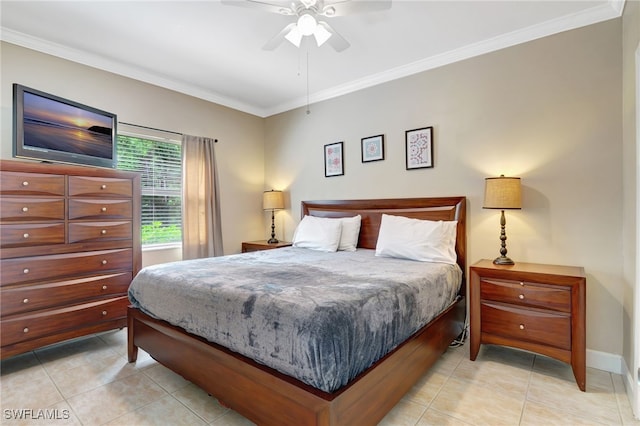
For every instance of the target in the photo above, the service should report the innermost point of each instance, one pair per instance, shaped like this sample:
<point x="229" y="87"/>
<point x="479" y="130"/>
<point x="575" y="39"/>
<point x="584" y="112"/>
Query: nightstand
<point x="248" y="246"/>
<point x="536" y="307"/>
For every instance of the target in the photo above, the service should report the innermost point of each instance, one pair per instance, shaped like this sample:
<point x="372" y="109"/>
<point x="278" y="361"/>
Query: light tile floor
<point x="89" y="382"/>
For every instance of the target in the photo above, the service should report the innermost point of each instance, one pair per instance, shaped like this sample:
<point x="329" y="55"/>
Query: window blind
<point x="160" y="166"/>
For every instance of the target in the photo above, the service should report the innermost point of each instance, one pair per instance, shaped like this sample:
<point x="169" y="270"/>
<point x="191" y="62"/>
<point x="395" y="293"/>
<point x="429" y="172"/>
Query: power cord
<point x="459" y="341"/>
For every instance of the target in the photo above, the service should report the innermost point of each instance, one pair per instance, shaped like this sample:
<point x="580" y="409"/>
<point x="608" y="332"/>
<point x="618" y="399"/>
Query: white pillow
<point x="318" y="233"/>
<point x="350" y="233"/>
<point x="415" y="239"/>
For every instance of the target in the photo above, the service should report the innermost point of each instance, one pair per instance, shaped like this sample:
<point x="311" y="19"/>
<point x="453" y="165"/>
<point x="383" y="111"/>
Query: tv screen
<point x="50" y="128"/>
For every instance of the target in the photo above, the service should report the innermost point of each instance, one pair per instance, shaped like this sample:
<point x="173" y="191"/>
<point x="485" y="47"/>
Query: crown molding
<point x="123" y="69"/>
<point x="611" y="10"/>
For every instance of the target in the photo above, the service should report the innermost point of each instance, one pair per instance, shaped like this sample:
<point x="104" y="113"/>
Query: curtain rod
<point x="150" y="128"/>
<point x="156" y="129"/>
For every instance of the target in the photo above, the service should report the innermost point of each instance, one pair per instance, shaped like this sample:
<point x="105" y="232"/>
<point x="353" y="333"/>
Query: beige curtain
<point x="201" y="227"/>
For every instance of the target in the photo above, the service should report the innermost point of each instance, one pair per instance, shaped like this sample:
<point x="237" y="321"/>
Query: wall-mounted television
<point x="49" y="128"/>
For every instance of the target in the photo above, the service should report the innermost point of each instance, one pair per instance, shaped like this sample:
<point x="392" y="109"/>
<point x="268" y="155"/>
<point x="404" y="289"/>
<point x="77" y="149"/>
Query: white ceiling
<point x="214" y="51"/>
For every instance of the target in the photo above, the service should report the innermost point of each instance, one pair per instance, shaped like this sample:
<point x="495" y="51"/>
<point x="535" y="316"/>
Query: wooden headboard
<point x="441" y="208"/>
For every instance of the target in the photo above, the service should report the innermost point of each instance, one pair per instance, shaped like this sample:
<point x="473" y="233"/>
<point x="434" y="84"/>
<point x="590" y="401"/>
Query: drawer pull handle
<point x="25" y="209"/>
<point x="25" y="301"/>
<point x="25" y="330"/>
<point x="103" y="186"/>
<point x="103" y="232"/>
<point x="104" y="287"/>
<point x="104" y="262"/>
<point x="25" y="235"/>
<point x="25" y="271"/>
<point x="522" y="283"/>
<point x="25" y="183"/>
<point x="104" y="313"/>
<point x="521" y="326"/>
<point x="104" y="209"/>
<point x="521" y="296"/>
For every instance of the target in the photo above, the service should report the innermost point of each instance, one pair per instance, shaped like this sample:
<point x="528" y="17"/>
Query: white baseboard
<point x="605" y="361"/>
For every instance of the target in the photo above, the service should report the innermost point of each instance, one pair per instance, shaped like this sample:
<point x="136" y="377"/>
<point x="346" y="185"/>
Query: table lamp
<point x="502" y="193"/>
<point x="272" y="200"/>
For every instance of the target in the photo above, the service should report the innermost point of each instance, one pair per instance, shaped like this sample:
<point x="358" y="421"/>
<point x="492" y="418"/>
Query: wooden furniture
<point x="539" y="308"/>
<point x="70" y="239"/>
<point x="248" y="246"/>
<point x="268" y="397"/>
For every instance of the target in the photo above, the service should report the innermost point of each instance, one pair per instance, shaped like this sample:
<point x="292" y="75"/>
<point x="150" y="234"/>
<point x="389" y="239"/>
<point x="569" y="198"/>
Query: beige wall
<point x="239" y="153"/>
<point x="631" y="298"/>
<point x="548" y="111"/>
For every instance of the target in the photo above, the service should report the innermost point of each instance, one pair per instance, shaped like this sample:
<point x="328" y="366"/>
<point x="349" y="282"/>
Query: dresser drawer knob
<point x="104" y="287"/>
<point x="25" y="271"/>
<point x="522" y="283"/>
<point x="521" y="296"/>
<point x="25" y="235"/>
<point x="104" y="209"/>
<point x="25" y="209"/>
<point x="25" y="330"/>
<point x="25" y="301"/>
<point x="25" y="183"/>
<point x="103" y="232"/>
<point x="104" y="262"/>
<point x="104" y="313"/>
<point x="103" y="186"/>
<point x="521" y="326"/>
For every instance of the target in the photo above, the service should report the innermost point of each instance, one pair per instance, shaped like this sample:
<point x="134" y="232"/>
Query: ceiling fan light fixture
<point x="294" y="36"/>
<point x="307" y="24"/>
<point x="321" y="35"/>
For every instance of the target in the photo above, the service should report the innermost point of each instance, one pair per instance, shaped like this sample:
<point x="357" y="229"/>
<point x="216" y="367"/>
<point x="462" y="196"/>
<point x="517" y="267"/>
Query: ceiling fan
<point x="309" y="13"/>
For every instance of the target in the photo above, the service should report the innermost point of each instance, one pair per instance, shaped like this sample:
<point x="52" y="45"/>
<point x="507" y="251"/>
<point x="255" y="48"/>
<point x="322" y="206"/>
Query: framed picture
<point x="373" y="148"/>
<point x="333" y="160"/>
<point x="419" y="146"/>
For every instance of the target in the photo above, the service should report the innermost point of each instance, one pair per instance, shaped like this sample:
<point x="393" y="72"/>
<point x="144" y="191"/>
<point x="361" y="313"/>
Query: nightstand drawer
<point x="533" y="325"/>
<point x="526" y="293"/>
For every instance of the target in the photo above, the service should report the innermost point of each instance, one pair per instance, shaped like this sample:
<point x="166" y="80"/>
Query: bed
<point x="267" y="395"/>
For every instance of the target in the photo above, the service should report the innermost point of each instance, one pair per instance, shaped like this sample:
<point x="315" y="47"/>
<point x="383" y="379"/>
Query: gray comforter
<point x="322" y="318"/>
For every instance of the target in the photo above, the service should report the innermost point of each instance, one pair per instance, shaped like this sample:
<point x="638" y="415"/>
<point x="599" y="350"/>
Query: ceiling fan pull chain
<point x="308" y="110"/>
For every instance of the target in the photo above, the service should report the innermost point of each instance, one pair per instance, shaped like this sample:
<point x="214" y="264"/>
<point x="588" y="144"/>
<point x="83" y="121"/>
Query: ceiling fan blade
<point x="273" y="7"/>
<point x="279" y="38"/>
<point x="336" y="40"/>
<point x="348" y="7"/>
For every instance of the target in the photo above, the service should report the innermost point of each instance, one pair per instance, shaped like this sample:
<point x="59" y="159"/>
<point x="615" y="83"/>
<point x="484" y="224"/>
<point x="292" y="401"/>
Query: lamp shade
<point x="272" y="200"/>
<point x="502" y="193"/>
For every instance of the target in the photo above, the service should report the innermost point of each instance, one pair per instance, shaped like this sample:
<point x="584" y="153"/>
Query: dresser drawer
<point x="21" y="235"/>
<point x="37" y="324"/>
<point x="24" y="209"/>
<point x="17" y="183"/>
<point x="24" y="298"/>
<point x="100" y="209"/>
<point x="532" y="325"/>
<point x="525" y="293"/>
<point x="99" y="231"/>
<point x="99" y="187"/>
<point x="37" y="268"/>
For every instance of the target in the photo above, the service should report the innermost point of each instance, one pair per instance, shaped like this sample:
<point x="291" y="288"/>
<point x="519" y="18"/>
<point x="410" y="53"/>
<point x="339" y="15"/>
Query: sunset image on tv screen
<point x="53" y="125"/>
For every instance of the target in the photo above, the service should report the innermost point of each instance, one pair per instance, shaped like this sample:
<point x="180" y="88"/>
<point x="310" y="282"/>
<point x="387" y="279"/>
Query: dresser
<point x="69" y="248"/>
<point x="536" y="307"/>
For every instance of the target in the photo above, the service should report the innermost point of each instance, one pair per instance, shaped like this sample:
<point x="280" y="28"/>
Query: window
<point x="160" y="166"/>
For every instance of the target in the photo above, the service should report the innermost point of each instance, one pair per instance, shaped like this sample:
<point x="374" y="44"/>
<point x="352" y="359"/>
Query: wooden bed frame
<point x="268" y="397"/>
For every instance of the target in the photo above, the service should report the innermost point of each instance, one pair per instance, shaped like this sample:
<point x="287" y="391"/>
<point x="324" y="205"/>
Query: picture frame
<point x="419" y="148"/>
<point x="334" y="159"/>
<point x="372" y="148"/>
